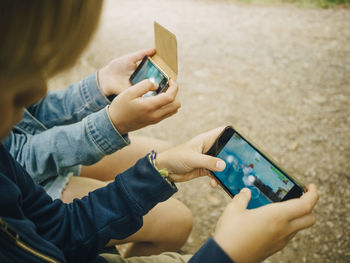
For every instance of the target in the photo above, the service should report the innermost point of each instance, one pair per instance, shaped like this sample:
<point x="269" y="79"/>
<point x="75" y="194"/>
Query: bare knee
<point x="185" y="225"/>
<point x="179" y="226"/>
<point x="166" y="228"/>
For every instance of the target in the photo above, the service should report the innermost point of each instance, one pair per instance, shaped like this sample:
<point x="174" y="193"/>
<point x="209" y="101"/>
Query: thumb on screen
<point x="242" y="198"/>
<point x="142" y="88"/>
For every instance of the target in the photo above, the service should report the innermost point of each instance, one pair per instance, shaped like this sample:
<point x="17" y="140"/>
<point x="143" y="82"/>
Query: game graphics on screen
<point x="149" y="71"/>
<point x="245" y="167"/>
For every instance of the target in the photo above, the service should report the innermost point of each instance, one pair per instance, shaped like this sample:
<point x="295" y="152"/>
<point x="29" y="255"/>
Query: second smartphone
<point x="147" y="69"/>
<point x="247" y="166"/>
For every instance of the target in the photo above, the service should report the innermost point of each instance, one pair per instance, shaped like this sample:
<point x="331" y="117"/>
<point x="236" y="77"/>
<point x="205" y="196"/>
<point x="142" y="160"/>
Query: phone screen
<point x="147" y="70"/>
<point x="247" y="167"/>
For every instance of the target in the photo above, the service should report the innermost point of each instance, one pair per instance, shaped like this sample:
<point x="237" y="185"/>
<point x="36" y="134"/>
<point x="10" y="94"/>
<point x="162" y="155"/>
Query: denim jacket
<point x="65" y="129"/>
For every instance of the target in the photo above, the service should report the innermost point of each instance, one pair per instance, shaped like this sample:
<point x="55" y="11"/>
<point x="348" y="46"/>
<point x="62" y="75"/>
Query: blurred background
<point x="279" y="71"/>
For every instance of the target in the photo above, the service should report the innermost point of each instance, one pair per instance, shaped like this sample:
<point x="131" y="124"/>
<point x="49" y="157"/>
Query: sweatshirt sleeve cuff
<point x="144" y="187"/>
<point x="104" y="134"/>
<point x="211" y="252"/>
<point x="92" y="93"/>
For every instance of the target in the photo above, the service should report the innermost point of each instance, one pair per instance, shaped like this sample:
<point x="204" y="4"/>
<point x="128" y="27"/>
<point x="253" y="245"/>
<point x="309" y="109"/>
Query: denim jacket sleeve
<point x="56" y="150"/>
<point x="70" y="105"/>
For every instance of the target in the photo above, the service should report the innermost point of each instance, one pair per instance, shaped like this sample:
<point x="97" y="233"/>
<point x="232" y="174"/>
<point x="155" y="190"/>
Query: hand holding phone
<point x="247" y="166"/>
<point x="188" y="160"/>
<point x="245" y="236"/>
<point x="253" y="235"/>
<point x="129" y="111"/>
<point x="114" y="77"/>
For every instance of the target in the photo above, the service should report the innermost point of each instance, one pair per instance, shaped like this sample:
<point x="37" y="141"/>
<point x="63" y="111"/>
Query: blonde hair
<point x="44" y="36"/>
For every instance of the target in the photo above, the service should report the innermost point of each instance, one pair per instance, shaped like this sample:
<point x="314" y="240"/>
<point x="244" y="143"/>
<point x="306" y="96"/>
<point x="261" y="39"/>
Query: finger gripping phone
<point x="147" y="69"/>
<point x="249" y="167"/>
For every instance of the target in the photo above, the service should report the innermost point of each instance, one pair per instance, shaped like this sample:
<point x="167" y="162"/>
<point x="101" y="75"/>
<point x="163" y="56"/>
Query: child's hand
<point x="114" y="78"/>
<point x="253" y="235"/>
<point x="129" y="111"/>
<point x="187" y="160"/>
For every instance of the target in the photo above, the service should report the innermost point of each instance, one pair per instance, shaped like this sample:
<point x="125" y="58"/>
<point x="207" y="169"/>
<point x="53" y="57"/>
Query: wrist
<point x="116" y="124"/>
<point x="102" y="83"/>
<point x="159" y="162"/>
<point x="230" y="249"/>
<point x="222" y="245"/>
<point x="162" y="171"/>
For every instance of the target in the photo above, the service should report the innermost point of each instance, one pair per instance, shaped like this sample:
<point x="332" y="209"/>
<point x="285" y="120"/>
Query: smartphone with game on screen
<point x="249" y="167"/>
<point x="147" y="69"/>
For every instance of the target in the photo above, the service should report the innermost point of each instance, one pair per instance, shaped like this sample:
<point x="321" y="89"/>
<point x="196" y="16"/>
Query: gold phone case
<point x="166" y="55"/>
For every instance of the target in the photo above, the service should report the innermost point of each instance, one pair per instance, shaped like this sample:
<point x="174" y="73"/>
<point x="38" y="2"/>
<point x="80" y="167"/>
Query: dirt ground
<point x="279" y="73"/>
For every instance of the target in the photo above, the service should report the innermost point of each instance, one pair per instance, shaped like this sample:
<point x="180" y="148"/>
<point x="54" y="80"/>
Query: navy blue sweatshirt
<point x="34" y="228"/>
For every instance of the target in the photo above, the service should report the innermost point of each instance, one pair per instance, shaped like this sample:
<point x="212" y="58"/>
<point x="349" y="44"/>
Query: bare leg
<point x="79" y="187"/>
<point x="111" y="165"/>
<point x="166" y="227"/>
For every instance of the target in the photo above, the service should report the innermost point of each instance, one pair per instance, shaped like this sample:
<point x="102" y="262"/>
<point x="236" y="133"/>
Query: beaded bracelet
<point x="163" y="172"/>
